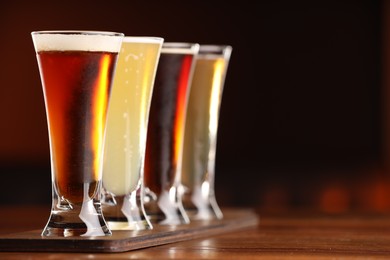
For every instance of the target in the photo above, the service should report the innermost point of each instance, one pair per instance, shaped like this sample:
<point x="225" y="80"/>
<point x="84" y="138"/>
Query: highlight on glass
<point x="165" y="137"/>
<point x="127" y="121"/>
<point x="76" y="70"/>
<point x="200" y="142"/>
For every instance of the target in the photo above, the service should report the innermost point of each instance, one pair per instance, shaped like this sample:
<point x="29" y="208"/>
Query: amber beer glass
<point x="165" y="134"/>
<point x="76" y="69"/>
<point x="200" y="142"/>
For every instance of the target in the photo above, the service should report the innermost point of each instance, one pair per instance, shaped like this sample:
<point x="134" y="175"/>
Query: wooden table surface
<point x="278" y="236"/>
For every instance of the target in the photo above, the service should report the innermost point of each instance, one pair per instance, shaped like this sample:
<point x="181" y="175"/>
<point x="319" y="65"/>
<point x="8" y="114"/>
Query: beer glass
<point x="165" y="135"/>
<point x="76" y="70"/>
<point x="200" y="139"/>
<point x="127" y="119"/>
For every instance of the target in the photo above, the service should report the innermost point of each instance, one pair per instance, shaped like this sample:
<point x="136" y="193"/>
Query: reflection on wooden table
<point x="297" y="235"/>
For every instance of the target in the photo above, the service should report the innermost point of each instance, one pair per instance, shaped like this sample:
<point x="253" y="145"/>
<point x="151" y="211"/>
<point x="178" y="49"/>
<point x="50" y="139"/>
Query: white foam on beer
<point x="77" y="42"/>
<point x="180" y="48"/>
<point x="143" y="39"/>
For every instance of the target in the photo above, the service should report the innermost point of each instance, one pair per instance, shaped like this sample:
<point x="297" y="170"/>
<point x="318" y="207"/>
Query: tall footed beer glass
<point x="76" y="69"/>
<point x="200" y="141"/>
<point x="127" y="121"/>
<point x="166" y="133"/>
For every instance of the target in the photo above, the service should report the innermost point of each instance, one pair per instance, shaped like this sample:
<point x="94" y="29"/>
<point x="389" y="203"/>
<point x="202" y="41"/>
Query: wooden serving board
<point x="121" y="241"/>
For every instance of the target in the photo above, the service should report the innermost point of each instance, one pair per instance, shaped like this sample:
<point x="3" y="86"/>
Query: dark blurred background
<point x="303" y="121"/>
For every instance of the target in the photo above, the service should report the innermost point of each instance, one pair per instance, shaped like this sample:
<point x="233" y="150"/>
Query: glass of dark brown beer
<point x="200" y="141"/>
<point x="165" y="135"/>
<point x="76" y="69"/>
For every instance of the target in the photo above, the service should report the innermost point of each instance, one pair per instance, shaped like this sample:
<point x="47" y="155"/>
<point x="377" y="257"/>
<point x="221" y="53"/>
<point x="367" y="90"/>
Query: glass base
<point x="206" y="212"/>
<point x="201" y="204"/>
<point x="167" y="209"/>
<point x="125" y="212"/>
<point x="76" y="220"/>
<point x="126" y="225"/>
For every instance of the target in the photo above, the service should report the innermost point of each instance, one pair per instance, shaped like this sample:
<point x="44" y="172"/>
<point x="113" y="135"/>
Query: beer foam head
<point x="77" y="41"/>
<point x="143" y="39"/>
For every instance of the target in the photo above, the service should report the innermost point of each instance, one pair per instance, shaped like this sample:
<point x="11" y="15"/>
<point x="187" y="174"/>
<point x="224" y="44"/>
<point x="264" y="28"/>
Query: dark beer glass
<point x="76" y="69"/>
<point x="165" y="135"/>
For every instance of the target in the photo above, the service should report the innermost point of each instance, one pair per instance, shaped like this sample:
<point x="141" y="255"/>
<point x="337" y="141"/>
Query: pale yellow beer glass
<point x="127" y="122"/>
<point x="200" y="141"/>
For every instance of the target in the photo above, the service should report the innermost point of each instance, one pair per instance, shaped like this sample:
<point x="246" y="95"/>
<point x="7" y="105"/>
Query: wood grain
<point x="121" y="241"/>
<point x="284" y="235"/>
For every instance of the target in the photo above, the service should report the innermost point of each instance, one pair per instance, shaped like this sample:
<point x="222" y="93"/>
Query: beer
<point x="201" y="131"/>
<point x="125" y="143"/>
<point x="128" y="114"/>
<point x="76" y="87"/>
<point x="165" y="134"/>
<point x="76" y="71"/>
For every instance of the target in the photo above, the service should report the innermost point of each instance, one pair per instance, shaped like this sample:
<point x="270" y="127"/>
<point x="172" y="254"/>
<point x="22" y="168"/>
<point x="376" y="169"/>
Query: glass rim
<point x="215" y="49"/>
<point x="180" y="47"/>
<point x="78" y="32"/>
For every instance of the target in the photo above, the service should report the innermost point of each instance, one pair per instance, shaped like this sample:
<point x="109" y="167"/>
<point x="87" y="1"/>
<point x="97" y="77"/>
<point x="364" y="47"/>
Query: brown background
<point x="303" y="118"/>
